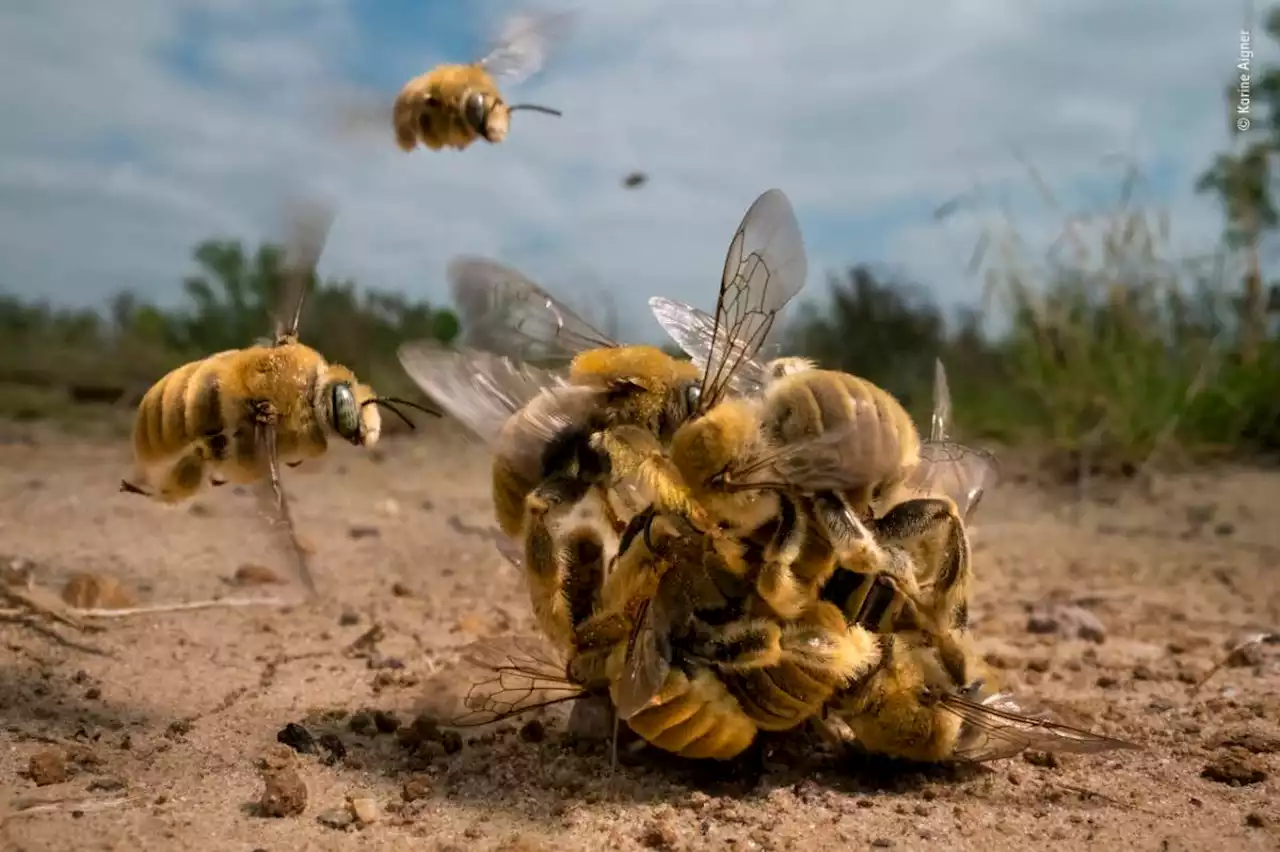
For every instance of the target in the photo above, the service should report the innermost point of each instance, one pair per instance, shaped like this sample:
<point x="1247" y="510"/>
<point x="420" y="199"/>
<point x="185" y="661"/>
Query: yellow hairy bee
<point x="452" y="106"/>
<point x="556" y="437"/>
<point x="912" y="709"/>
<point x="235" y="415"/>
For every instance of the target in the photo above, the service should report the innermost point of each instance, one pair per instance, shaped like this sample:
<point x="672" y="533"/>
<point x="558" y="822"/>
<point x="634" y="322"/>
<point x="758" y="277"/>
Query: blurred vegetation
<point x="1112" y="347"/>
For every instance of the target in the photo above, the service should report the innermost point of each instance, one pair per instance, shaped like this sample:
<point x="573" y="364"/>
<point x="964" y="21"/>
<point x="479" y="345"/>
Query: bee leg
<point x="583" y="560"/>
<point x="931" y="531"/>
<point x="264" y="439"/>
<point x="777" y="583"/>
<point x="543" y="567"/>
<point x="741" y="645"/>
<point x="635" y="452"/>
<point x="127" y="487"/>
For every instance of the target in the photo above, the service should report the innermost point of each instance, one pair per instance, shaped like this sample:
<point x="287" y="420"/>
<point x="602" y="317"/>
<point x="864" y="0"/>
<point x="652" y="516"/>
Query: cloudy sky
<point x="133" y="129"/>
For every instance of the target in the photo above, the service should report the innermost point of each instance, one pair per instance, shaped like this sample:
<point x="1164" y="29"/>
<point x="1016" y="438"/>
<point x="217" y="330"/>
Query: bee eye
<point x="476" y="111"/>
<point x="346" y="414"/>
<point x="692" y="395"/>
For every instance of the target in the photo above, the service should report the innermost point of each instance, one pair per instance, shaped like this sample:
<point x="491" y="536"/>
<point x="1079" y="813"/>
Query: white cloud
<point x="868" y="116"/>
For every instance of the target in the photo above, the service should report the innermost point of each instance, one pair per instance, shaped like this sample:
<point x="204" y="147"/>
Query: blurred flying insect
<point x="558" y="437"/>
<point x="452" y="106"/>
<point x="236" y="415"/>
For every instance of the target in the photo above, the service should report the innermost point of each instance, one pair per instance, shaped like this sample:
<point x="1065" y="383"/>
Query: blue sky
<point x="135" y="128"/>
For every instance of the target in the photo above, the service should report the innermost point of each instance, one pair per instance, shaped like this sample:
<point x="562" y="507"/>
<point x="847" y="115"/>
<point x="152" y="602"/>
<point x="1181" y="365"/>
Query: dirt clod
<point x="659" y="834"/>
<point x="49" y="767"/>
<point x="363" y="723"/>
<point x="415" y="788"/>
<point x="533" y="731"/>
<point x="284" y="793"/>
<point x="1251" y="739"/>
<point x="96" y="591"/>
<point x="1072" y="622"/>
<point x="334" y="746"/>
<point x="297" y="738"/>
<point x="360" y="531"/>
<point x="385" y="722"/>
<point x="1236" y="768"/>
<point x="253" y="574"/>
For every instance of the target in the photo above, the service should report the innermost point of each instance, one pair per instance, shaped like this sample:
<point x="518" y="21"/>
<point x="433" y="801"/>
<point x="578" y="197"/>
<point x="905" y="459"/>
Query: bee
<point x="558" y="437"/>
<point x="452" y="106"/>
<point x="912" y="709"/>
<point x="236" y="415"/>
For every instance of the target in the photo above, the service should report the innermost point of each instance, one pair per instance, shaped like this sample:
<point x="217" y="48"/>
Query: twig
<point x="1247" y="642"/>
<point x="25" y="805"/>
<point x="183" y="606"/>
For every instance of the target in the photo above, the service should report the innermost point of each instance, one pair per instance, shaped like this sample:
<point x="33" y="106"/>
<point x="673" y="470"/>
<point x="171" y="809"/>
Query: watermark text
<point x="1244" y="81"/>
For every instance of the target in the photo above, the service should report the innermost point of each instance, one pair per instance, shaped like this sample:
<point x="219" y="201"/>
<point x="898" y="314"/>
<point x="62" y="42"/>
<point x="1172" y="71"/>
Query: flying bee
<point x="236" y="415"/>
<point x="911" y="709"/>
<point x="452" y="106"/>
<point x="559" y="437"/>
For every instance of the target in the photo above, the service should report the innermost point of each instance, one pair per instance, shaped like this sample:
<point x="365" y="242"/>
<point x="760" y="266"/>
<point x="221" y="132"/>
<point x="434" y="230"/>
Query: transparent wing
<point x="940" y="421"/>
<point x="962" y="473"/>
<point x="693" y="331"/>
<point x="524" y="44"/>
<point x="510" y="549"/>
<point x="482" y="390"/>
<point x="647" y="665"/>
<point x="764" y="269"/>
<point x="837" y="460"/>
<point x="497" y="678"/>
<point x="1001" y="726"/>
<point x="505" y="313"/>
<point x="310" y="222"/>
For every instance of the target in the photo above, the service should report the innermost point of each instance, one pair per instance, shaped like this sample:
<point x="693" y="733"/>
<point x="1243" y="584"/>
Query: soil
<point x="259" y="728"/>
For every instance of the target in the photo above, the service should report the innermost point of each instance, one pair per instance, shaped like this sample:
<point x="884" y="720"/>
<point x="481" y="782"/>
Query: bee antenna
<point x="535" y="108"/>
<point x="390" y="403"/>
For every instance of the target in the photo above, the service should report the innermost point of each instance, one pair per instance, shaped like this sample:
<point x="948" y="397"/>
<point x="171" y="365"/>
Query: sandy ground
<point x="171" y="712"/>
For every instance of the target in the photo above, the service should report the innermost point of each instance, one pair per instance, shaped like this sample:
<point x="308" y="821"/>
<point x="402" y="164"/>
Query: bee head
<point x="487" y="115"/>
<point x="351" y="409"/>
<point x="705" y="450"/>
<point x="490" y="116"/>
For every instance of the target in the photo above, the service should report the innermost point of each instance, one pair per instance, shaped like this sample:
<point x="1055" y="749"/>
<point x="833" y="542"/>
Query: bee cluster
<point x="771" y="544"/>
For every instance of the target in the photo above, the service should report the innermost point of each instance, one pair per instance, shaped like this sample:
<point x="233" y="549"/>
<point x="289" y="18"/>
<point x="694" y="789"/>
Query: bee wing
<point x="310" y="222"/>
<point x="693" y="331"/>
<point x="497" y="678"/>
<point x="1001" y="726"/>
<point x="482" y="390"/>
<point x="510" y="549"/>
<point x="648" y="662"/>
<point x="962" y="473"/>
<point x="506" y="313"/>
<point x="940" y="421"/>
<point x="523" y="46"/>
<point x="764" y="269"/>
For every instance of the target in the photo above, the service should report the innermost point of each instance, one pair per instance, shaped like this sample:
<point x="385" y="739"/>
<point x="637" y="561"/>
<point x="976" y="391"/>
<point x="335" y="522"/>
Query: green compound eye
<point x="345" y="414"/>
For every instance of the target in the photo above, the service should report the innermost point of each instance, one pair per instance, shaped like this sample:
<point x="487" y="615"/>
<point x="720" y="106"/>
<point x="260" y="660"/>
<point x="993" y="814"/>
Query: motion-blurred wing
<point x="524" y="44"/>
<point x="505" y="313"/>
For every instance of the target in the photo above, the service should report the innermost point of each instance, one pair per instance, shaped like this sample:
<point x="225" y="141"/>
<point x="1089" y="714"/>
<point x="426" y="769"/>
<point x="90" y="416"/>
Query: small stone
<point x="93" y="693"/>
<point x="401" y="590"/>
<point x="1106" y="681"/>
<point x="48" y="767"/>
<point x="533" y="731"/>
<point x="297" y="738"/>
<point x="1253" y="819"/>
<point x="389" y="507"/>
<point x="365" y="809"/>
<point x="882" y="843"/>
<point x="348" y="618"/>
<point x="361" y="531"/>
<point x="415" y="788"/>
<point x="253" y="574"/>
